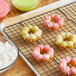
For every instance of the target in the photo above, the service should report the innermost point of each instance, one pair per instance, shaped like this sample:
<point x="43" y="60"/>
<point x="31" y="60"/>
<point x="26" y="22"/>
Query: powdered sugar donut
<point x="53" y="21"/>
<point x="65" y="69"/>
<point x="43" y="53"/>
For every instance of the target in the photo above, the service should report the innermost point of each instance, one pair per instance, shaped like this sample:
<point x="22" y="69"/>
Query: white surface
<point x="54" y="5"/>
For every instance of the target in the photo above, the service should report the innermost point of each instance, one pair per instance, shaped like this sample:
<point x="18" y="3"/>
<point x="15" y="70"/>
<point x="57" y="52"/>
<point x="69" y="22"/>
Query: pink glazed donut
<point x="4" y="8"/>
<point x="43" y="53"/>
<point x="53" y="21"/>
<point x="65" y="69"/>
<point x="73" y="62"/>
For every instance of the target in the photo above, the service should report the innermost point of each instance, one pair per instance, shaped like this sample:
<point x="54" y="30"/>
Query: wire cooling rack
<point x="48" y="37"/>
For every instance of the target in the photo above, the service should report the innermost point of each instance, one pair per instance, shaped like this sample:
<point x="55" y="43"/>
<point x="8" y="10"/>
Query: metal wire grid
<point x="48" y="37"/>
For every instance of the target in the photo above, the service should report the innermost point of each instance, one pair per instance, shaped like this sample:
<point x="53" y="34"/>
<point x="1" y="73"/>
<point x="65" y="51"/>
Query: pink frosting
<point x="4" y="8"/>
<point x="58" y="21"/>
<point x="55" y="25"/>
<point x="73" y="60"/>
<point x="73" y="70"/>
<point x="68" y="59"/>
<point x="52" y="15"/>
<point x="66" y="69"/>
<point x="36" y="53"/>
<point x="49" y="50"/>
<point x="48" y="17"/>
<point x="46" y="56"/>
<point x="43" y="48"/>
<point x="57" y="17"/>
<point x="63" y="66"/>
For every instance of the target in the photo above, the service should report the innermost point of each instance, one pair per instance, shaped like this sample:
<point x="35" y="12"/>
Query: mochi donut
<point x="31" y="33"/>
<point x="4" y="8"/>
<point x="65" y="68"/>
<point x="66" y="40"/>
<point x="43" y="53"/>
<point x="53" y="21"/>
<point x="73" y="61"/>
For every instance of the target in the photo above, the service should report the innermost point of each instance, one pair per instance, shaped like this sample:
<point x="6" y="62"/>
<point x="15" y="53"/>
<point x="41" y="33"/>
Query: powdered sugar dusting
<point x="8" y="54"/>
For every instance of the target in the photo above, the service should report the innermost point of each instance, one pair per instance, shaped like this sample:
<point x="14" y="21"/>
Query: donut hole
<point x="66" y="39"/>
<point x="53" y="21"/>
<point x="31" y="32"/>
<point x="70" y="65"/>
<point x="42" y="52"/>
